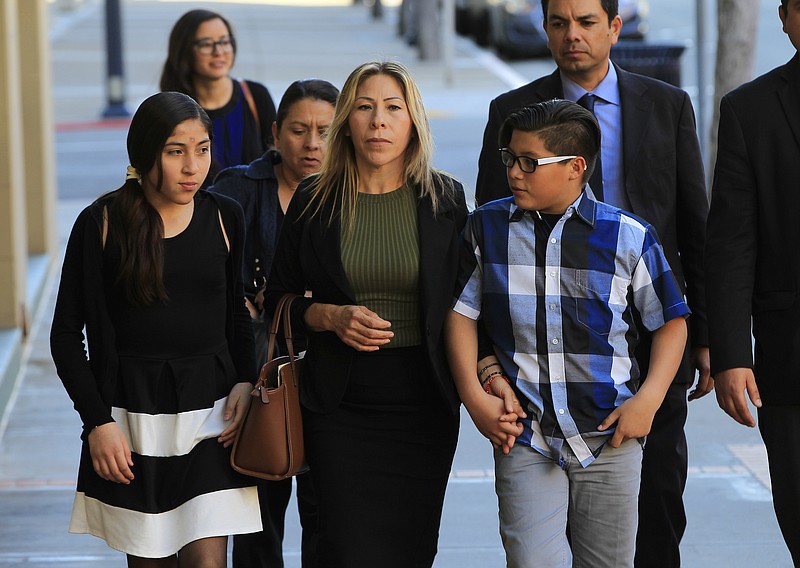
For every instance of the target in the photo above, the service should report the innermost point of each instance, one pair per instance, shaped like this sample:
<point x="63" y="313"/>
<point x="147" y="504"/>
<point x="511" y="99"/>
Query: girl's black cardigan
<point x="90" y="379"/>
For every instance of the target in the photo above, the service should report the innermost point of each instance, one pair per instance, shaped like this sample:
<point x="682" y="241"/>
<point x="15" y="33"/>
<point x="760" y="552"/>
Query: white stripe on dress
<point x="156" y="535"/>
<point x="167" y="435"/>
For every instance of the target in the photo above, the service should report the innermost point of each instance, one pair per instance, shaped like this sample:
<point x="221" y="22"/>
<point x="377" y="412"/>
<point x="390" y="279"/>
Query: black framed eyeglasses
<point x="207" y="46"/>
<point x="526" y="164"/>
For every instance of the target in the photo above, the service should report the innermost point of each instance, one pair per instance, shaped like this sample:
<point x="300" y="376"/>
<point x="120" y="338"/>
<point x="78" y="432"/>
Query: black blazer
<point x="308" y="257"/>
<point x="662" y="171"/>
<point x="754" y="234"/>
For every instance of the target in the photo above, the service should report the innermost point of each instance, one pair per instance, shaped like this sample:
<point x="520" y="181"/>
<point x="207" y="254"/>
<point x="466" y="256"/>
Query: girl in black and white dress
<point x="152" y="272"/>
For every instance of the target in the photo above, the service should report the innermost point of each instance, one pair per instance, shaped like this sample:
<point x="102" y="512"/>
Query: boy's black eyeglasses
<point x="207" y="46"/>
<point x="526" y="164"/>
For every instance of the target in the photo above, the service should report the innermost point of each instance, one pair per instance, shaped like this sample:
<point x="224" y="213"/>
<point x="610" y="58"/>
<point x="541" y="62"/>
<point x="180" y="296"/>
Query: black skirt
<point x="380" y="463"/>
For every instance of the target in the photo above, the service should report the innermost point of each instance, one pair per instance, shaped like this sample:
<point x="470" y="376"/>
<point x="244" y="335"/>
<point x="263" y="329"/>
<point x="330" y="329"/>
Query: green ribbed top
<point x="380" y="255"/>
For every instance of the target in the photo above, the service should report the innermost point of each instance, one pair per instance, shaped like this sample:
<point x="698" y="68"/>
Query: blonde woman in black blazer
<point x="373" y="237"/>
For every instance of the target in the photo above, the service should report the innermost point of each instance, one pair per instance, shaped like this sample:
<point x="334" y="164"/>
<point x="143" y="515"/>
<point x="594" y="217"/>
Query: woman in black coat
<point x="264" y="188"/>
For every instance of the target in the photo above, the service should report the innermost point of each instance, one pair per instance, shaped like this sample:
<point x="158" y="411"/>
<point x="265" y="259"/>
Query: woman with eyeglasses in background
<point x="201" y="53"/>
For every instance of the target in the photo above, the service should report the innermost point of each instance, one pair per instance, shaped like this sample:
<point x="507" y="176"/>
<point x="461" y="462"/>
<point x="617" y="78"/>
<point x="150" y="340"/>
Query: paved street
<point x="731" y="522"/>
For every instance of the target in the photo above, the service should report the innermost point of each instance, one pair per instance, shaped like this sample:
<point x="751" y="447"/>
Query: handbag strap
<point x="251" y="103"/>
<point x="288" y="336"/>
<point x="283" y="314"/>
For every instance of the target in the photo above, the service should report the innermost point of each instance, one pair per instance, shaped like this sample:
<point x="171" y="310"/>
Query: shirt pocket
<point x="598" y="298"/>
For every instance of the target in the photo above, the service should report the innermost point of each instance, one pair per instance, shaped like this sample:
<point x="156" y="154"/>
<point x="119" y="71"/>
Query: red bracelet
<point x="489" y="376"/>
<point x="491" y="380"/>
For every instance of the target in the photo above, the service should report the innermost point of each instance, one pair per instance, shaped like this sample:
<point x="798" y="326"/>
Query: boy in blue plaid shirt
<point x="560" y="283"/>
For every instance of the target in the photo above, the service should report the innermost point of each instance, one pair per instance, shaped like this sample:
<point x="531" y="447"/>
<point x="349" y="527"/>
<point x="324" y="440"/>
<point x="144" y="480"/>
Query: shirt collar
<point x="264" y="167"/>
<point x="608" y="89"/>
<point x="584" y="207"/>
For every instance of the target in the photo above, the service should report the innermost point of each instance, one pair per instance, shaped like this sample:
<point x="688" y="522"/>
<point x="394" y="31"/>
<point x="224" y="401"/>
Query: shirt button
<point x="555" y="341"/>
<point x="553" y="274"/>
<point x="553" y="241"/>
<point x="552" y="306"/>
<point x="561" y="411"/>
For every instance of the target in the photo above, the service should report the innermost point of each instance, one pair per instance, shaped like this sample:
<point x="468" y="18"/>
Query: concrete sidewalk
<point x="731" y="522"/>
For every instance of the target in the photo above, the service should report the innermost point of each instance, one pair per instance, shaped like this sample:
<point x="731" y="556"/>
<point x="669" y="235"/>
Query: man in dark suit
<point x="652" y="167"/>
<point x="754" y="269"/>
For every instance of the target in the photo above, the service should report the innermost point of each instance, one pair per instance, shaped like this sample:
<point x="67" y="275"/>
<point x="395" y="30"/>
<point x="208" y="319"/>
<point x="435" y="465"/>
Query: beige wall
<point x="13" y="240"/>
<point x="27" y="157"/>
<point x="37" y="114"/>
<point x="27" y="178"/>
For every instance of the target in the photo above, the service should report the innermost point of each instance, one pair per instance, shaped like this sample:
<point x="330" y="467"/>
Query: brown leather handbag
<point x="269" y="443"/>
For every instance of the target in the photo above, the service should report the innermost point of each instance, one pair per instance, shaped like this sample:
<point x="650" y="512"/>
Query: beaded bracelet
<point x="486" y="367"/>
<point x="491" y="380"/>
<point x="489" y="376"/>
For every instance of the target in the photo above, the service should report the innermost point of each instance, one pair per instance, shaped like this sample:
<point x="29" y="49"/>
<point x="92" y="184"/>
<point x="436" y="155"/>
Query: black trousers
<point x="665" y="463"/>
<point x="780" y="430"/>
<point x="662" y="517"/>
<point x="265" y="549"/>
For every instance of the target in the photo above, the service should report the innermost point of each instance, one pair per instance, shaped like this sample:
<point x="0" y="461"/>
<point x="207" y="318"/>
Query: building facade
<point x="28" y="196"/>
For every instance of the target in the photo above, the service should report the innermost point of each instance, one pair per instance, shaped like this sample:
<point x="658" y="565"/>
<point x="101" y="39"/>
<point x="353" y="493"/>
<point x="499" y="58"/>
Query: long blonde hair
<point x="338" y="175"/>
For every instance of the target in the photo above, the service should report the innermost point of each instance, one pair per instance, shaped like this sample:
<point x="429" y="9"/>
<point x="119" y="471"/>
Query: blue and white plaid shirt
<point x="558" y="306"/>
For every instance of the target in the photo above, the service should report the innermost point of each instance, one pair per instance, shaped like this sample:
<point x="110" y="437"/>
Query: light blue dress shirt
<point x="608" y="110"/>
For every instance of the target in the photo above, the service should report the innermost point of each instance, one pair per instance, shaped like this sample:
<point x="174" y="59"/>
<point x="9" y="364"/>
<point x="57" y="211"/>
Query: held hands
<point x="502" y="390"/>
<point x="496" y="415"/>
<point x="237" y="404"/>
<point x="489" y="415"/>
<point x="732" y="384"/>
<point x="360" y="328"/>
<point x="111" y="456"/>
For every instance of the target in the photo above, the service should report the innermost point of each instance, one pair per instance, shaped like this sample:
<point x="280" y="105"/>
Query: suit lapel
<point x="549" y="88"/>
<point x="789" y="95"/>
<point x="637" y="108"/>
<point x="434" y="240"/>
<point x="326" y="241"/>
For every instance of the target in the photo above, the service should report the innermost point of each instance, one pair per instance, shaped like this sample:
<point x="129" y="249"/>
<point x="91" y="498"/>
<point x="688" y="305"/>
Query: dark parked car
<point x="514" y="27"/>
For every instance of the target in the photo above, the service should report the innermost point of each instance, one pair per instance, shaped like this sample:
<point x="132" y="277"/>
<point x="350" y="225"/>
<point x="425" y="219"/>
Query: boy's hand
<point x="491" y="419"/>
<point x="634" y="418"/>
<point x="501" y="389"/>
